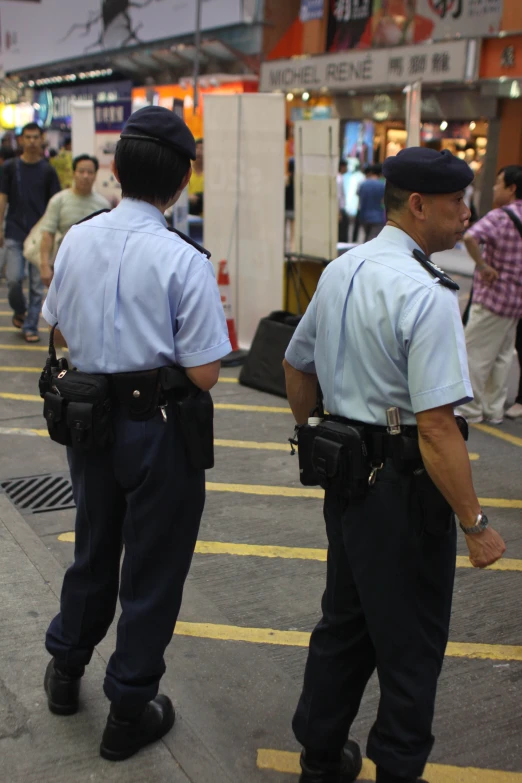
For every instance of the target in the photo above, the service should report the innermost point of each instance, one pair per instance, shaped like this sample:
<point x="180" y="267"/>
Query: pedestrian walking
<point x="341" y="202"/>
<point x="495" y="244"/>
<point x="383" y="337"/>
<point x="28" y="184"/>
<point x="371" y="204"/>
<point x="140" y="309"/>
<point x="67" y="208"/>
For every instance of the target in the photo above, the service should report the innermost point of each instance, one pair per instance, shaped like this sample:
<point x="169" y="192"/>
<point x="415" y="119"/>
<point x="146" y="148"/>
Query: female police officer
<point x="383" y="331"/>
<point x="130" y="296"/>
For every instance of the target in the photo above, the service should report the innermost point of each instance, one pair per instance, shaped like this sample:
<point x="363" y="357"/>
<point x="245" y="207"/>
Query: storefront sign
<point x="55" y="30"/>
<point x="360" y="24"/>
<point x="311" y="9"/>
<point x="54" y="106"/>
<point x="350" y="70"/>
<point x="501" y="57"/>
<point x="447" y="104"/>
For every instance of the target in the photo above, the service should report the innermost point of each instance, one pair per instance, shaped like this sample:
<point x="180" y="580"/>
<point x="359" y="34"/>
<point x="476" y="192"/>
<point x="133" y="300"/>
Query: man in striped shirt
<point x="495" y="244"/>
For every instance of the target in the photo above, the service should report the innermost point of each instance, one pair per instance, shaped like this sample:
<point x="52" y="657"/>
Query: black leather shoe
<point x="345" y="770"/>
<point x="123" y="737"/>
<point x="62" y="689"/>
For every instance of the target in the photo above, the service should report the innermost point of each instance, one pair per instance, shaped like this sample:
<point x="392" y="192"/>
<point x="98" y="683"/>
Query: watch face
<point x="484" y="521"/>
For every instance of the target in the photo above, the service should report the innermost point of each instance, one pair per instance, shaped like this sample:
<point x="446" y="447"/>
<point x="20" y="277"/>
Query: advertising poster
<point x="36" y="32"/>
<point x="360" y="24"/>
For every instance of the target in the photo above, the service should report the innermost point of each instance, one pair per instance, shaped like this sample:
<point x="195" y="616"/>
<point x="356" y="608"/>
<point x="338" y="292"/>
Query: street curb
<point x="43" y="560"/>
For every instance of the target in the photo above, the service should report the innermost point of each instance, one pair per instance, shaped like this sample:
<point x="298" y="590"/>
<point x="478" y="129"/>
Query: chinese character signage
<point x="311" y="9"/>
<point x="431" y="63"/>
<point x="361" y="24"/>
<point x="112" y="116"/>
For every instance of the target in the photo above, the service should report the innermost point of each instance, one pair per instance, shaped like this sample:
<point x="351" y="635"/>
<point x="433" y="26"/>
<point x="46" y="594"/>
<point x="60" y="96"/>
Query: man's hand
<point x="485" y="548"/>
<point x="46" y="273"/>
<point x="488" y="274"/>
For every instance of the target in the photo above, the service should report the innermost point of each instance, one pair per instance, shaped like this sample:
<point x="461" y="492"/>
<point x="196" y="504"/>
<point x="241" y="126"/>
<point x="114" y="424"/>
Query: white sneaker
<point x="495" y="421"/>
<point x="474" y="419"/>
<point x="515" y="412"/>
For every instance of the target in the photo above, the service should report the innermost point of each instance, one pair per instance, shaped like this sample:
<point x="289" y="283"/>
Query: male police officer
<point x="130" y="296"/>
<point x="383" y="331"/>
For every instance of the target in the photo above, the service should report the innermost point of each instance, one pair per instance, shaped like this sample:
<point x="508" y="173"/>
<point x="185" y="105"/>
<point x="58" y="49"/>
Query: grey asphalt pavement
<point x="234" y="683"/>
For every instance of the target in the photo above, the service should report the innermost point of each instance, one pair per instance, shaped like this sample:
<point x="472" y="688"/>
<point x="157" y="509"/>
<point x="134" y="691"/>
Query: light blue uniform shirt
<point x="129" y="295"/>
<point x="381" y="332"/>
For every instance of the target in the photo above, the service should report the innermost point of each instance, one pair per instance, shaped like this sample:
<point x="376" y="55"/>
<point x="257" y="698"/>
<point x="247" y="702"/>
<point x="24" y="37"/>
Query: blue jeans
<point x="15" y="269"/>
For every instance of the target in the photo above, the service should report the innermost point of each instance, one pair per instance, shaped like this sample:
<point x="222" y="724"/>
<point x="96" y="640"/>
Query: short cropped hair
<point x="343" y="162"/>
<point x="149" y="171"/>
<point x="513" y="176"/>
<point x="377" y="169"/>
<point x="81" y="158"/>
<point x="32" y="126"/>
<point x="395" y="199"/>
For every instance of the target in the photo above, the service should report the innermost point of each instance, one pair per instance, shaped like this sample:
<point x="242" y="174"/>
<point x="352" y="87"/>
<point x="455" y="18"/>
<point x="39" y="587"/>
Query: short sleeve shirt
<point x="129" y="295"/>
<point x="503" y="251"/>
<point x="381" y="332"/>
<point x="28" y="187"/>
<point x="67" y="208"/>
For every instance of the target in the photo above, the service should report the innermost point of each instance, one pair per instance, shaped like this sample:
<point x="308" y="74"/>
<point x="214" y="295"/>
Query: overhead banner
<point x="443" y="62"/>
<point x="45" y="31"/>
<point x="361" y="24"/>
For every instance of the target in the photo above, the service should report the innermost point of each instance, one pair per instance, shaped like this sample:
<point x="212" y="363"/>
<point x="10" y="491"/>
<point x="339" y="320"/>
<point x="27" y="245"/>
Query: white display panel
<point x="316" y="205"/>
<point x="83" y="128"/>
<point x="244" y="201"/>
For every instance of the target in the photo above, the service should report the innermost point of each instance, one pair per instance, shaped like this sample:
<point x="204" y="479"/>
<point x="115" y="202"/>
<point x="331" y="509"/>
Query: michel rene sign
<point x="430" y="63"/>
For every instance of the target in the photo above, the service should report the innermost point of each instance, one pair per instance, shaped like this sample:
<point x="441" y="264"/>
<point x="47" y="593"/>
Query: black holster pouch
<point x="340" y="459"/>
<point x="77" y="406"/>
<point x="138" y="394"/>
<point x="195" y="411"/>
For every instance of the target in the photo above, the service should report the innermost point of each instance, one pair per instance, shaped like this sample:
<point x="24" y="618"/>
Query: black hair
<point x="149" y="171"/>
<point x="377" y="169"/>
<point x="395" y="199"/>
<point x="32" y="126"/>
<point x="342" y="162"/>
<point x="81" y="158"/>
<point x="7" y="154"/>
<point x="513" y="176"/>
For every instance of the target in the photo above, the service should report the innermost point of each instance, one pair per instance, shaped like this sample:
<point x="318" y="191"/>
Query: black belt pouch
<point x="78" y="411"/>
<point x="340" y="459"/>
<point x="196" y="418"/>
<point x="305" y="445"/>
<point x="138" y="393"/>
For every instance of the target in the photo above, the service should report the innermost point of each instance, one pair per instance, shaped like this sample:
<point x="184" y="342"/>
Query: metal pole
<point x="198" y="50"/>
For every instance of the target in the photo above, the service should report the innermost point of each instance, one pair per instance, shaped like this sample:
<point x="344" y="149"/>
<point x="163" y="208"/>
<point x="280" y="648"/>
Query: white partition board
<point x="244" y="201"/>
<point x="82" y="128"/>
<point x="316" y="206"/>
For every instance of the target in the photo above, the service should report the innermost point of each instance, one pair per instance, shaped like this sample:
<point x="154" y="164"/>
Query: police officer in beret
<point x="131" y="296"/>
<point x="383" y="333"/>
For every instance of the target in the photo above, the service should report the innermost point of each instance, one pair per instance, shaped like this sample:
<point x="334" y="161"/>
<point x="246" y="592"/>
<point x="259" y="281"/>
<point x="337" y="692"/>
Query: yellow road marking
<point x="253" y="408"/>
<point x="19" y="431"/>
<point x="21" y="369"/>
<point x="26" y="348"/>
<point x="253" y="444"/>
<point x="235" y="633"/>
<point x="22" y="397"/>
<point x="226" y="379"/>
<point x="283" y="761"/>
<point x="260" y="489"/>
<point x="9" y="329"/>
<point x="5" y="312"/>
<point x="498" y="434"/>
<point x="297" y="553"/>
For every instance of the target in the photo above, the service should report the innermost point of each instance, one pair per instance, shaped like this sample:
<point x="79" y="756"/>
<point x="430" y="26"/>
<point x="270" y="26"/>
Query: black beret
<point x="162" y="126"/>
<point x="423" y="170"/>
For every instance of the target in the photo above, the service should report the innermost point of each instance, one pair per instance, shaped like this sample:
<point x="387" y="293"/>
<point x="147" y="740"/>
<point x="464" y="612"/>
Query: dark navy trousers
<point x="386" y="606"/>
<point x="143" y="496"/>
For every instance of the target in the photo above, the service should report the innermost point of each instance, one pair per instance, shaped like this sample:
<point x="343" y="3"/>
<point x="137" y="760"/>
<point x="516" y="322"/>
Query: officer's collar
<point x="399" y="237"/>
<point x="143" y="208"/>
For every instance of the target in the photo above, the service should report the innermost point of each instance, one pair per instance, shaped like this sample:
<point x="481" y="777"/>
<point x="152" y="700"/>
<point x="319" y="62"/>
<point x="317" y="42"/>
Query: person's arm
<point x="488" y="274"/>
<point x="446" y="460"/>
<point x="46" y="247"/>
<point x="205" y="376"/>
<point x="3" y="207"/>
<point x="301" y="390"/>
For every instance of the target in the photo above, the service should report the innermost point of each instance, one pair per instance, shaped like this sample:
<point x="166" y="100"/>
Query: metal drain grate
<point x="35" y="494"/>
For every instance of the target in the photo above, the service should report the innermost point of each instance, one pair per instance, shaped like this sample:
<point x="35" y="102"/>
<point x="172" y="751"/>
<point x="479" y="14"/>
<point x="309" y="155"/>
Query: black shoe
<point x="123" y="737"/>
<point x="62" y="686"/>
<point x="345" y="770"/>
<point x="387" y="777"/>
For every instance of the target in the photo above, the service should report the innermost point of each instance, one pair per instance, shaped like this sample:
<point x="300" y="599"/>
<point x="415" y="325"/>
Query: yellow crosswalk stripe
<point x="9" y="329"/>
<point x="21" y="397"/>
<point x="226" y="379"/>
<point x="236" y="633"/>
<point x="222" y="406"/>
<point x="297" y="553"/>
<point x="6" y="312"/>
<point x="284" y="761"/>
<point x="21" y="369"/>
<point x="513" y="439"/>
<point x="8" y="347"/>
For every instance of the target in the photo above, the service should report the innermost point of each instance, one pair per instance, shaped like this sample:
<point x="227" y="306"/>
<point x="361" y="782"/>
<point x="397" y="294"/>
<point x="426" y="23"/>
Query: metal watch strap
<point x="481" y="523"/>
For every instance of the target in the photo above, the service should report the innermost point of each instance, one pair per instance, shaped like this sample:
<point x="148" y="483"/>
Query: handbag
<point x="34" y="240"/>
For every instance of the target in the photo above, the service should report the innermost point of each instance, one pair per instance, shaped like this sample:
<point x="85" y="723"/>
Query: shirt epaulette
<point x="190" y="241"/>
<point x="435" y="271"/>
<point x="94" y="214"/>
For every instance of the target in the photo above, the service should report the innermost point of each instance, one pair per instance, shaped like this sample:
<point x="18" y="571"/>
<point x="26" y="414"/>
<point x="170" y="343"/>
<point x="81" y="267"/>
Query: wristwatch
<point x="481" y="523"/>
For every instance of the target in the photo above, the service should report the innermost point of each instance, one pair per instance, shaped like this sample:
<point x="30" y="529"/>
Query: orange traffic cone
<point x="237" y="356"/>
